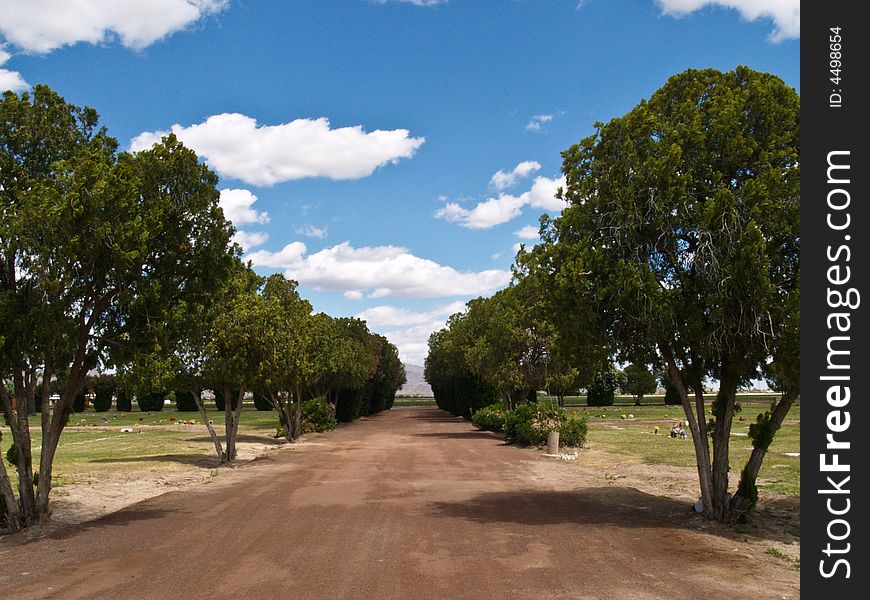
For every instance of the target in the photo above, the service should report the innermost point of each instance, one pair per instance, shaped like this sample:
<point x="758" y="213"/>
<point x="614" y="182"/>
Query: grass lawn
<point x="636" y="437"/>
<point x="90" y="447"/>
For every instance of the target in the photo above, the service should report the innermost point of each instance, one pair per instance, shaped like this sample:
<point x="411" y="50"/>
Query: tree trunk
<point x="699" y="435"/>
<point x="297" y="414"/>
<point x="237" y="417"/>
<point x="230" y="454"/>
<point x="744" y="499"/>
<point x="197" y="397"/>
<point x="725" y="400"/>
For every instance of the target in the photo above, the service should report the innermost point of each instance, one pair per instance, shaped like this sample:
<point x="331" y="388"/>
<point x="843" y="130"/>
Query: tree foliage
<point x="682" y="235"/>
<point x="98" y="247"/>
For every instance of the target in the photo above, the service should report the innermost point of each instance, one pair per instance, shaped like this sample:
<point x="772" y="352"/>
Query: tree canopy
<point x="682" y="234"/>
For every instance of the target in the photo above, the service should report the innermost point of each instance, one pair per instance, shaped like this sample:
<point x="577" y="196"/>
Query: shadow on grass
<point x="196" y="460"/>
<point x="254" y="439"/>
<point x="616" y="506"/>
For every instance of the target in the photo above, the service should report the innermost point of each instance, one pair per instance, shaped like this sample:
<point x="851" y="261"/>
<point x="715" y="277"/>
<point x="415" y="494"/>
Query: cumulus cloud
<point x="290" y="254"/>
<point x="537" y="121"/>
<point x="378" y="271"/>
<point x="10" y="80"/>
<point x="785" y="14"/>
<point x="311" y="231"/>
<point x="529" y="232"/>
<point x="392" y="316"/>
<point x="237" y="146"/>
<point x="413" y="342"/>
<point x="502" y="180"/>
<point x="237" y="206"/>
<point x="495" y="211"/>
<point x="250" y="239"/>
<point x="40" y="26"/>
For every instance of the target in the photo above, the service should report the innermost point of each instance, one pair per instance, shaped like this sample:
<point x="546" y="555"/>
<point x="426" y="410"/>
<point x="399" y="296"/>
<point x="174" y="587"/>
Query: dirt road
<point x="408" y="504"/>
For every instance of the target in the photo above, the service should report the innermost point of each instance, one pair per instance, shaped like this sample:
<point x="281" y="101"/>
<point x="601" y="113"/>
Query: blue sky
<point x="388" y="154"/>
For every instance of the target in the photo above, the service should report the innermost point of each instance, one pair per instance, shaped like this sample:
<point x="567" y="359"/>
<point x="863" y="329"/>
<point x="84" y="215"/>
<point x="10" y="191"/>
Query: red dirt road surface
<point x="411" y="503"/>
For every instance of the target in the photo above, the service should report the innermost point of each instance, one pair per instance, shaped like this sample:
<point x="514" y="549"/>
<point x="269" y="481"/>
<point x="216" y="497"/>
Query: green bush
<point x="572" y="433"/>
<point x="219" y="400"/>
<point x="261" y="402"/>
<point x="531" y="424"/>
<point x="78" y="404"/>
<point x="490" y="418"/>
<point x="602" y="390"/>
<point x="151" y="402"/>
<point x="185" y="402"/>
<point x="317" y="416"/>
<point x="123" y="402"/>
<point x="672" y="395"/>
<point x="102" y="399"/>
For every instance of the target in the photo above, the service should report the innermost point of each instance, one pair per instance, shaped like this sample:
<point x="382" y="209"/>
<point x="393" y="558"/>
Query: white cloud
<point x="413" y="329"/>
<point x="502" y="181"/>
<point x="785" y="14"/>
<point x="237" y="206"/>
<point x="517" y="247"/>
<point x="236" y="146"/>
<point x="537" y="121"/>
<point x="311" y="231"/>
<point x="381" y="271"/>
<point x="250" y="239"/>
<point x="290" y="254"/>
<point x="486" y="214"/>
<point x="413" y="342"/>
<point x="354" y="295"/>
<point x="10" y="80"/>
<point x="495" y="211"/>
<point x="529" y="232"/>
<point x="40" y="26"/>
<point x="391" y="316"/>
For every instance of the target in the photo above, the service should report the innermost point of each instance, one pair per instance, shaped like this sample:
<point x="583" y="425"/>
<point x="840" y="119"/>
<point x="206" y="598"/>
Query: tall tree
<point x="95" y="249"/>
<point x="682" y="231"/>
<point x="639" y="381"/>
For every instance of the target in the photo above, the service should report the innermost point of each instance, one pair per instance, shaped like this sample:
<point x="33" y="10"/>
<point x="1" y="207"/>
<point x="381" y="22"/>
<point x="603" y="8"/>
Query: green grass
<point x="636" y="437"/>
<point x="90" y="448"/>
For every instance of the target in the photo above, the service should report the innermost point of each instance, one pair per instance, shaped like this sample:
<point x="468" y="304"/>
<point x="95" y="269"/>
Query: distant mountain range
<point x="416" y="385"/>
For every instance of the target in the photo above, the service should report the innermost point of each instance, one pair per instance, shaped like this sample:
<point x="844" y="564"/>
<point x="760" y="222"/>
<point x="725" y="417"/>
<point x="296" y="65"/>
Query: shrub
<point x="219" y="400"/>
<point x="490" y="418"/>
<point x="672" y="395"/>
<point x="185" y="402"/>
<point x="530" y="425"/>
<point x="317" y="416"/>
<point x="123" y="402"/>
<point x="603" y="387"/>
<point x="78" y="404"/>
<point x="102" y="399"/>
<point x="261" y="402"/>
<point x="151" y="402"/>
<point x="573" y="431"/>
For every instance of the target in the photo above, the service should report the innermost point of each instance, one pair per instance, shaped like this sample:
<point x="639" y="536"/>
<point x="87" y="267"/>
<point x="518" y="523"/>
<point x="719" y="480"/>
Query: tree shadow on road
<point x="459" y="435"/>
<point x="115" y="519"/>
<point x="613" y="505"/>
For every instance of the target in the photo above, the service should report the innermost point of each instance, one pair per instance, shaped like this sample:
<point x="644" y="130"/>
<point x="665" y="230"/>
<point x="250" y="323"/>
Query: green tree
<point x="287" y="367"/>
<point x="97" y="247"/>
<point x="602" y="390"/>
<point x="682" y="231"/>
<point x="639" y="381"/>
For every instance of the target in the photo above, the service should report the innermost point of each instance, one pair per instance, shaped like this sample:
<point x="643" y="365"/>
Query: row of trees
<point x="118" y="261"/>
<point x="679" y="247"/>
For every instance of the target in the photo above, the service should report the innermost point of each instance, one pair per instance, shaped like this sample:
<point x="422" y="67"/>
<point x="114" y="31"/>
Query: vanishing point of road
<point x="408" y="504"/>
